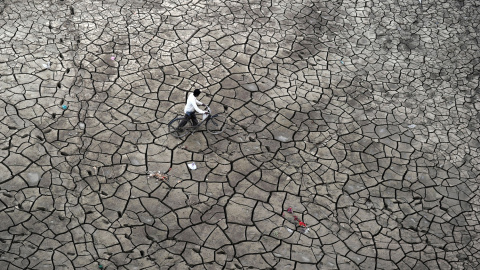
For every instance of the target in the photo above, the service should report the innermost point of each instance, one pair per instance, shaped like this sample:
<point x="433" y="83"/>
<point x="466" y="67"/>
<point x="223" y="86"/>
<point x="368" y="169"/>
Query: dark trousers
<point x="188" y="116"/>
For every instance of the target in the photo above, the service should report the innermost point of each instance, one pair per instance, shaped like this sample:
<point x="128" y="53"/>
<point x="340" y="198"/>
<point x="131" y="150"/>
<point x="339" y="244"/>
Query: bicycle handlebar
<point x="208" y="110"/>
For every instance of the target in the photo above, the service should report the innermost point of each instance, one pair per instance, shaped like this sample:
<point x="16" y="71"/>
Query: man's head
<point x="196" y="92"/>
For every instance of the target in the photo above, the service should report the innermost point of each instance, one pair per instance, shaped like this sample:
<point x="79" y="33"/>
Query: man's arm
<point x="196" y="107"/>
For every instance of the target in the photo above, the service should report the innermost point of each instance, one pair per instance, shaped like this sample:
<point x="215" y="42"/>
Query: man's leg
<point x="194" y="119"/>
<point x="184" y="121"/>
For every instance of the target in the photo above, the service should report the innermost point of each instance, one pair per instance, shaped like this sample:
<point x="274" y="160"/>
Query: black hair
<point x="196" y="92"/>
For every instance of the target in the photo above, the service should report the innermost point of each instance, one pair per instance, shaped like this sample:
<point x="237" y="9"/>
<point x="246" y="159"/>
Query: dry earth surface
<point x="361" y="116"/>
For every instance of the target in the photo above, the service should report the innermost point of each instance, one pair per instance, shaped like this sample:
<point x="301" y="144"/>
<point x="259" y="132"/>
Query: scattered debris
<point x="47" y="65"/>
<point x="113" y="57"/>
<point x="412" y="125"/>
<point x="300" y="223"/>
<point x="64" y="107"/>
<point x="160" y="176"/>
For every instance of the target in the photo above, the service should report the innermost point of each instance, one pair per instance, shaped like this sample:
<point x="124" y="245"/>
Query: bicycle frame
<point x="199" y="122"/>
<point x="186" y="129"/>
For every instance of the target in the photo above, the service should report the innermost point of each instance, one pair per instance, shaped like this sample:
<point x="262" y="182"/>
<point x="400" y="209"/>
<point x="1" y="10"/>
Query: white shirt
<point x="192" y="104"/>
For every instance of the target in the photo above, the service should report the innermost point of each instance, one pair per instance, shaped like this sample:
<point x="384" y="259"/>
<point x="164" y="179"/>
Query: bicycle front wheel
<point x="217" y="123"/>
<point x="175" y="130"/>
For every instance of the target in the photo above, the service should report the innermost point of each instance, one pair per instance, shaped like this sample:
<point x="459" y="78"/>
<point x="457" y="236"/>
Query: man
<point x="191" y="107"/>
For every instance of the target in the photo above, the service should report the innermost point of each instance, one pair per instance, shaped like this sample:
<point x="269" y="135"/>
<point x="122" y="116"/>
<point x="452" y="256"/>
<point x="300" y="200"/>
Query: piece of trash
<point x="192" y="166"/>
<point x="300" y="222"/>
<point x="158" y="175"/>
<point x="64" y="107"/>
<point x="306" y="230"/>
<point x="412" y="126"/>
<point x="289" y="230"/>
<point x="113" y="57"/>
<point x="47" y="65"/>
<point x="342" y="62"/>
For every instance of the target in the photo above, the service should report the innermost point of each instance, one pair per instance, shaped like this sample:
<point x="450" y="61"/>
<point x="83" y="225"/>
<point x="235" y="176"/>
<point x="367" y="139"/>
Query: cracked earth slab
<point x="358" y="119"/>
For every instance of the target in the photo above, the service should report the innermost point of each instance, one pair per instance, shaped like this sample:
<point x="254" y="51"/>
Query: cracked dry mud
<point x="361" y="116"/>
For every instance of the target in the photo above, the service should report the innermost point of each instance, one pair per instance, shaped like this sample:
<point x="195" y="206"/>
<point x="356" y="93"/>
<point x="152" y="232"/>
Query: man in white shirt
<point x="191" y="107"/>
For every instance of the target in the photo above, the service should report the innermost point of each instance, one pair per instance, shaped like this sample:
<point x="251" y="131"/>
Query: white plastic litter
<point x="289" y="230"/>
<point x="192" y="166"/>
<point x="412" y="126"/>
<point x="47" y="65"/>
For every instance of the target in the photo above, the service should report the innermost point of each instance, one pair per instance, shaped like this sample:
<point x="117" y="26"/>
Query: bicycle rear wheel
<point x="217" y="123"/>
<point x="173" y="128"/>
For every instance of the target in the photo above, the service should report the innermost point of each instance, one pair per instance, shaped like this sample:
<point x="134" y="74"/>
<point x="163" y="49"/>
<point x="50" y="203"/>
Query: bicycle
<point x="215" y="124"/>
